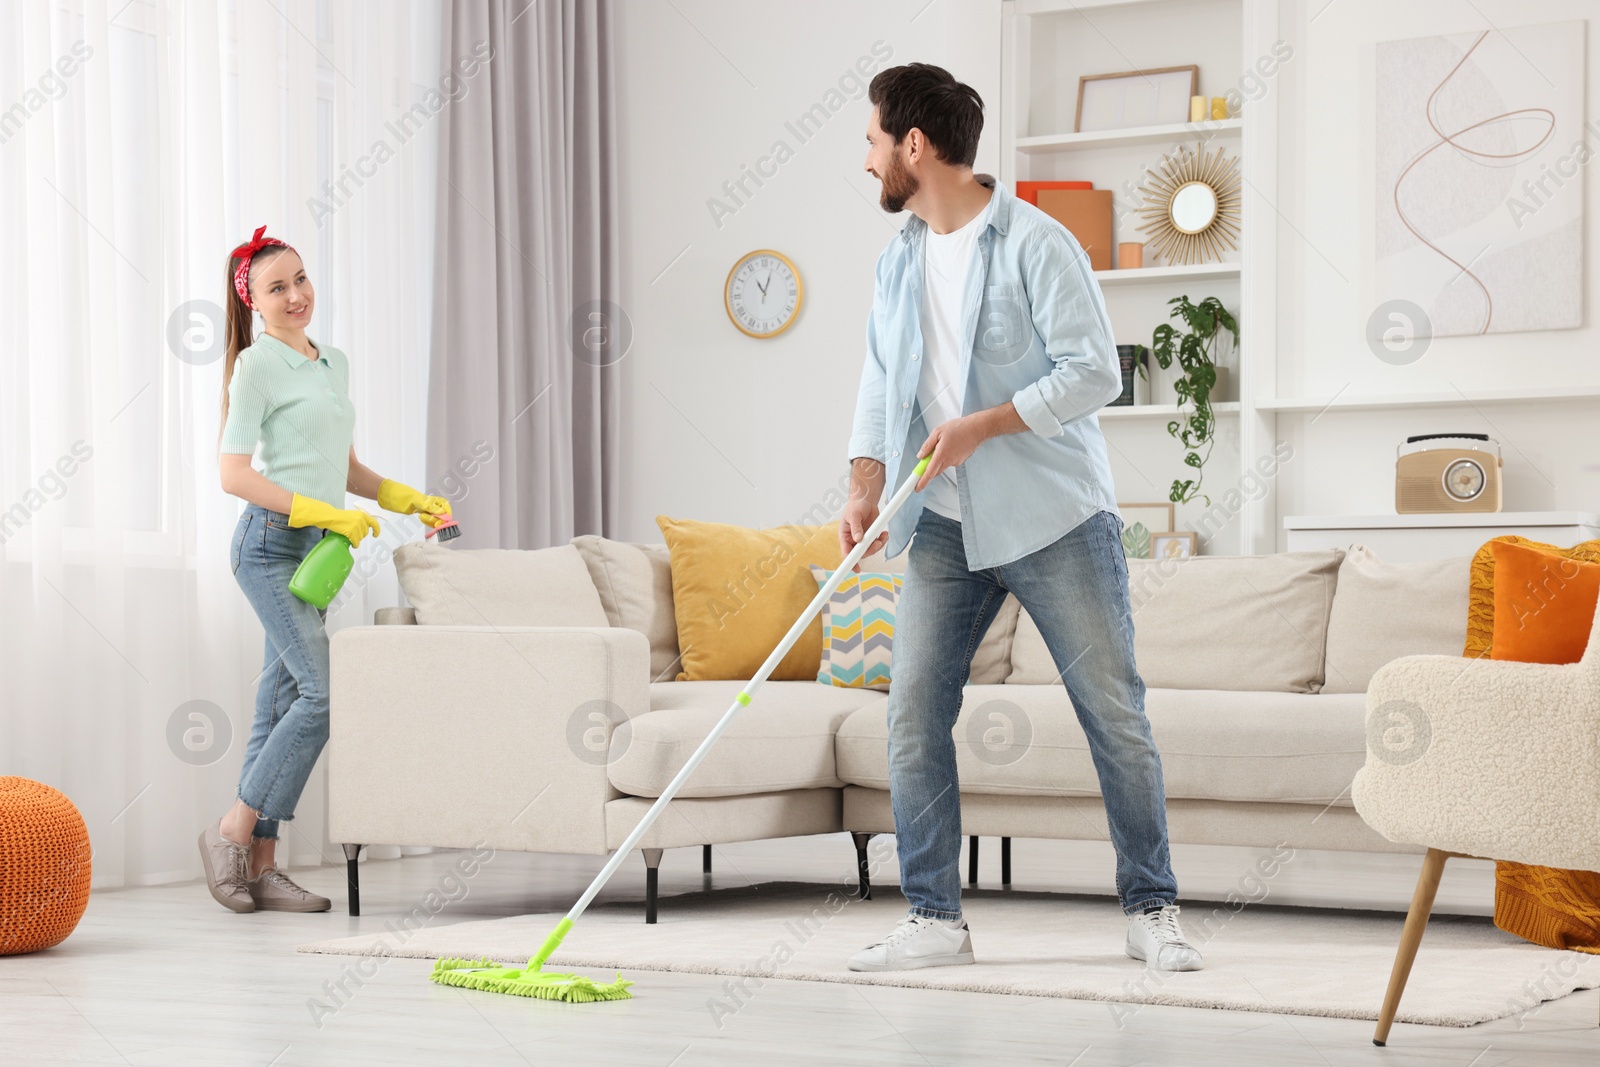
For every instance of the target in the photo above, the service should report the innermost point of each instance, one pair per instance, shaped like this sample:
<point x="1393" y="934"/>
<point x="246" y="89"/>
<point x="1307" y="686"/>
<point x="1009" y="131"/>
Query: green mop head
<point x="530" y="981"/>
<point x="520" y="982"/>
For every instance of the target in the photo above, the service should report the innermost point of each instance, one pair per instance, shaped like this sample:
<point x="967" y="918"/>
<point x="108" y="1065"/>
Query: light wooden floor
<point x="165" y="976"/>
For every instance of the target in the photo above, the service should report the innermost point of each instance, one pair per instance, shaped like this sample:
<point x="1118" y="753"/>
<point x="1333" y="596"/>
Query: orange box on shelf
<point x="1086" y="213"/>
<point x="1029" y="191"/>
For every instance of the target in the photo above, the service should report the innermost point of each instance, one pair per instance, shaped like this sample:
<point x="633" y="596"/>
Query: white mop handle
<point x="799" y="627"/>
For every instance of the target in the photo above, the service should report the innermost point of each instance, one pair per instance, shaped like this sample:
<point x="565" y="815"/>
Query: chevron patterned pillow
<point x="858" y="629"/>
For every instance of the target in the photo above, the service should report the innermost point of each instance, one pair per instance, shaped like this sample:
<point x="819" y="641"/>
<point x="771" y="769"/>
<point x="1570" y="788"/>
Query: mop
<point x="533" y="980"/>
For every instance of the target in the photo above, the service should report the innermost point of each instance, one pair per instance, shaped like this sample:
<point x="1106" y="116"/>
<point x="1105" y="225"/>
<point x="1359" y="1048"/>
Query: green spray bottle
<point x="322" y="573"/>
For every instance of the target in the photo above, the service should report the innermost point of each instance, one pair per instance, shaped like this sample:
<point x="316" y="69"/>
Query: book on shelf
<point x="1086" y="213"/>
<point x="1135" y="386"/>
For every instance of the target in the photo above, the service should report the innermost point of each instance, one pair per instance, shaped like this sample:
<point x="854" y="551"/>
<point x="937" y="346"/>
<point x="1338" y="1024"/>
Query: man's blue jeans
<point x="291" y="717"/>
<point x="1076" y="590"/>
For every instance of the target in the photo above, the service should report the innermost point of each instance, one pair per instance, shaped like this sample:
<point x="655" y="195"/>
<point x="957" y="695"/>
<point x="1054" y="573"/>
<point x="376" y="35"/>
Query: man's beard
<point x="898" y="186"/>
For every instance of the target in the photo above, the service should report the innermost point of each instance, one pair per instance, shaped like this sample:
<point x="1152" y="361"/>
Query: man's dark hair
<point x="921" y="95"/>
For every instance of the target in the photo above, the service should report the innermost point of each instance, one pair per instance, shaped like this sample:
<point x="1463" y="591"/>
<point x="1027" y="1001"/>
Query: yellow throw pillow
<point x="736" y="592"/>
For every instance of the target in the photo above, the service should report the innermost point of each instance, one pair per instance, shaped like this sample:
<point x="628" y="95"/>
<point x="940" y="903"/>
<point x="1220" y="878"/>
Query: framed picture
<point x="1170" y="545"/>
<point x="1140" y="522"/>
<point x="1137" y="98"/>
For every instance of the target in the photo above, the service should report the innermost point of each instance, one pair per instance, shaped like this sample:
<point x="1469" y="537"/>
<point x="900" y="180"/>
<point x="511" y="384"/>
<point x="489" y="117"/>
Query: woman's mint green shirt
<point x="299" y="411"/>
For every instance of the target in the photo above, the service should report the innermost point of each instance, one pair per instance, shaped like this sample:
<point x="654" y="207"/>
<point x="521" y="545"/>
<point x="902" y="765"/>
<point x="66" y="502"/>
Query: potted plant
<point x="1193" y="349"/>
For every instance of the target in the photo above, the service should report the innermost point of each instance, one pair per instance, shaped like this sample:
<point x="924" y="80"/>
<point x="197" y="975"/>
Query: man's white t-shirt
<point x="947" y="262"/>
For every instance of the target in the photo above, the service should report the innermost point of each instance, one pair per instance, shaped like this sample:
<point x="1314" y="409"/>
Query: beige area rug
<point x="1295" y="961"/>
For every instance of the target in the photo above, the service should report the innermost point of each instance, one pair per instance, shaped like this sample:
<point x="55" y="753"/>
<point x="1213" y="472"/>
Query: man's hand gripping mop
<point x="532" y="980"/>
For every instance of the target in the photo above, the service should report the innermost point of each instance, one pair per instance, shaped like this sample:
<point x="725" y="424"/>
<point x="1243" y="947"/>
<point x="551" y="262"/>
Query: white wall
<point x="720" y="426"/>
<point x="726" y="428"/>
<point x="1345" y="460"/>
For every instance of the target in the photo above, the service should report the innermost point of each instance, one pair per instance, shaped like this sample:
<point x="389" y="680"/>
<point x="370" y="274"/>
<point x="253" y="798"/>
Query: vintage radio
<point x="1447" y="472"/>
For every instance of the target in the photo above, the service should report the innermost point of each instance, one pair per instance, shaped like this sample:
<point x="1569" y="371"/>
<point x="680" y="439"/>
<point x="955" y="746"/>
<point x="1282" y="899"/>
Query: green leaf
<point x="1136" y="541"/>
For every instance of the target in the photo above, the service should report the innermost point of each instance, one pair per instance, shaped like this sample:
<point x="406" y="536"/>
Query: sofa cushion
<point x="858" y="628"/>
<point x="498" y="587"/>
<point x="991" y="660"/>
<point x="635" y="586"/>
<point x="783" y="740"/>
<point x="1215" y="745"/>
<point x="1256" y="623"/>
<point x="736" y="591"/>
<point x="1544" y="602"/>
<point x="1382" y="611"/>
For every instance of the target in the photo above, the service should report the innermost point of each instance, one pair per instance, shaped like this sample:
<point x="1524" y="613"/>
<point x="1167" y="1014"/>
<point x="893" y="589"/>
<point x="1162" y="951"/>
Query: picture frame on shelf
<point x="1156" y="97"/>
<point x="1141" y="523"/>
<point x="1174" y="544"/>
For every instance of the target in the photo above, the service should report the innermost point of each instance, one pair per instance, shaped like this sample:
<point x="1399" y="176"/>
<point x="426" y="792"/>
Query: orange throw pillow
<point x="1544" y="604"/>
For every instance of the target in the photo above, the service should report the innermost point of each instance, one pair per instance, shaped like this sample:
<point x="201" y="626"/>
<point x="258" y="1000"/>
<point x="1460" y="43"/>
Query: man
<point x="989" y="344"/>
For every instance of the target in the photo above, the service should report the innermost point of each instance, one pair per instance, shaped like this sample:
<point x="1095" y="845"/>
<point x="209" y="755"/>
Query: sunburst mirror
<point x="1191" y="207"/>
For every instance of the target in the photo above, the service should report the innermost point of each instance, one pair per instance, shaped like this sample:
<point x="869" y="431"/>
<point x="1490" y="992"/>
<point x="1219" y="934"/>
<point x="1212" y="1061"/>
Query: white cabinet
<point x="1412" y="538"/>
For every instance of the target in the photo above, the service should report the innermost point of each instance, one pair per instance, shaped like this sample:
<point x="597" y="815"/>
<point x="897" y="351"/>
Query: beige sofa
<point x="524" y="700"/>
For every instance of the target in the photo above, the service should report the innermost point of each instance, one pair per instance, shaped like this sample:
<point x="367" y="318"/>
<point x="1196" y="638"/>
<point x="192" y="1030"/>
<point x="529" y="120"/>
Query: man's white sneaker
<point x="917" y="942"/>
<point x="1156" y="938"/>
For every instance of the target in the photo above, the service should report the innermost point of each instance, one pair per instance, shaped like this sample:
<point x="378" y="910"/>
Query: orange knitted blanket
<point x="1545" y="905"/>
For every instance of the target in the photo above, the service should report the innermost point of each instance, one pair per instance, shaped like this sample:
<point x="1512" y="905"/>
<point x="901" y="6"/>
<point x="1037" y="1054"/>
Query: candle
<point x="1219" y="107"/>
<point x="1197" y="109"/>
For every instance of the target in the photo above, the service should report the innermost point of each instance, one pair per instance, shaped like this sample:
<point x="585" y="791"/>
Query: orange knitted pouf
<point x="44" y="866"/>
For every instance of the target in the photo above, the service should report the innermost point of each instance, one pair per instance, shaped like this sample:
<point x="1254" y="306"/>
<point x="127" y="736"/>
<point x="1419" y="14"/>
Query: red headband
<point x="241" y="275"/>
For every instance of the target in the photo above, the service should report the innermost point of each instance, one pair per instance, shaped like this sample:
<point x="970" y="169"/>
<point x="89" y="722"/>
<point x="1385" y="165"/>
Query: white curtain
<point x="140" y="140"/>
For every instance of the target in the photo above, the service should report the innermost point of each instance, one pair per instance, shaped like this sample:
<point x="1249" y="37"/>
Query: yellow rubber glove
<point x="352" y="523"/>
<point x="396" y="496"/>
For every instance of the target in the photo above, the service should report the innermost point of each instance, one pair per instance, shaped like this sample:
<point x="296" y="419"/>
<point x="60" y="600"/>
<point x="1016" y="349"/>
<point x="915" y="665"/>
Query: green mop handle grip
<point x="551" y="943"/>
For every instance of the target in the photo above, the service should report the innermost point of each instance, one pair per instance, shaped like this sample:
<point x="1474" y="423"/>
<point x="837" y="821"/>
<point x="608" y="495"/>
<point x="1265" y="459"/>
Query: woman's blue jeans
<point x="291" y="719"/>
<point x="1076" y="590"/>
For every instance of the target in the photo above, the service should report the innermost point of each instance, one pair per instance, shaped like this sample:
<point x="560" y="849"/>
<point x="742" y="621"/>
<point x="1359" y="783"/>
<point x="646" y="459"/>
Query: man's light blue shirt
<point x="1034" y="318"/>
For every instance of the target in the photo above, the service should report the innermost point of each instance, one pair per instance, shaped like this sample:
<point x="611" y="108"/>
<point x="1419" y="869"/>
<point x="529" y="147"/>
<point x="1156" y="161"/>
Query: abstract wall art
<point x="1480" y="159"/>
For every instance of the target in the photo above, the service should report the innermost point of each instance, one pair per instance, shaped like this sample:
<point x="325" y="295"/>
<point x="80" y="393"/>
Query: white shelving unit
<point x="1141" y="135"/>
<point x="1345" y="402"/>
<point x="1166" y="274"/>
<point x="1047" y="45"/>
<point x="1164" y="411"/>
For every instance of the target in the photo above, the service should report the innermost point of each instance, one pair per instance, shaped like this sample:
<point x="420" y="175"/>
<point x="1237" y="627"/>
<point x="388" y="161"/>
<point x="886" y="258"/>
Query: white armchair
<point x="1482" y="758"/>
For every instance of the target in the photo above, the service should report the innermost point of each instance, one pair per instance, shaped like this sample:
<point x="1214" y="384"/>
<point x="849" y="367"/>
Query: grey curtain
<point x="524" y="395"/>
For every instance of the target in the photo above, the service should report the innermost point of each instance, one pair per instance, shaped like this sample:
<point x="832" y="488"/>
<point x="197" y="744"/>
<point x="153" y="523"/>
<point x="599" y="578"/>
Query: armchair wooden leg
<point x="705" y="859"/>
<point x="1410" y="938"/>
<point x="972" y="859"/>
<point x="1005" y="861"/>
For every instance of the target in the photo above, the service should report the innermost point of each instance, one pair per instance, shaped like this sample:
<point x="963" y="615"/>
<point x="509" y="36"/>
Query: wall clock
<point x="763" y="293"/>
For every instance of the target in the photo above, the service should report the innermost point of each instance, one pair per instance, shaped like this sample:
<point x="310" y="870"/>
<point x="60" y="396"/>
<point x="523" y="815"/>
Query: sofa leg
<point x="705" y="859"/>
<point x="652" y="861"/>
<point x="862" y="871"/>
<point x="972" y="859"/>
<point x="1410" y="938"/>
<point x="1005" y="861"/>
<point x="352" y="876"/>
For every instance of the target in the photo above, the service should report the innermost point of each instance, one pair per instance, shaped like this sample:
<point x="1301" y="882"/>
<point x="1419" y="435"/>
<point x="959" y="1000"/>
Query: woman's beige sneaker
<point x="273" y="891"/>
<point x="227" y="867"/>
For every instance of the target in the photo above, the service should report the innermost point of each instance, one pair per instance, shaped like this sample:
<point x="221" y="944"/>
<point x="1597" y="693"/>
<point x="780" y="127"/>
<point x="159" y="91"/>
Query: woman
<point x="290" y="396"/>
